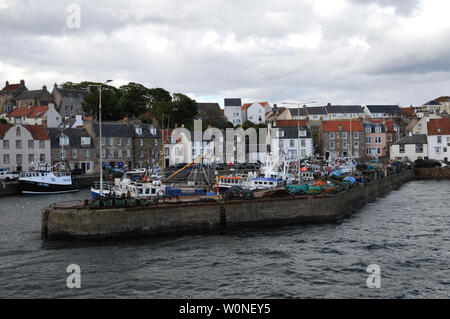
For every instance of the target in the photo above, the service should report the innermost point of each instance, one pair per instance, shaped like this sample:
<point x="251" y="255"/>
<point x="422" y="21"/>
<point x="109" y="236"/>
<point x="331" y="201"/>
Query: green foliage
<point x="3" y="121"/>
<point x="134" y="100"/>
<point x="184" y="110"/>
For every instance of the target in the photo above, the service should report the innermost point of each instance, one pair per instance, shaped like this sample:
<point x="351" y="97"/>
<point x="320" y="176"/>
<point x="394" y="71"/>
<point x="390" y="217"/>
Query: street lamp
<point x="100" y="131"/>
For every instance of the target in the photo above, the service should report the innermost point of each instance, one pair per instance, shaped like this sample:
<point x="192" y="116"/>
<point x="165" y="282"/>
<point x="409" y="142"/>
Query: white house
<point x="256" y="112"/>
<point x="411" y="147"/>
<point x="439" y="139"/>
<point x="292" y="141"/>
<point x="35" y="115"/>
<point x="233" y="111"/>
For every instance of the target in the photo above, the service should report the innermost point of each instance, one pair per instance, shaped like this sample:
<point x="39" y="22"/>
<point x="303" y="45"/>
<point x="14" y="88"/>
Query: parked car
<point x="420" y="163"/>
<point x="6" y="175"/>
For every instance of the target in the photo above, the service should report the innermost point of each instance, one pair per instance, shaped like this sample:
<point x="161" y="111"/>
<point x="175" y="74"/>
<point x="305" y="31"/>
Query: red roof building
<point x="439" y="126"/>
<point x="345" y="126"/>
<point x="290" y="123"/>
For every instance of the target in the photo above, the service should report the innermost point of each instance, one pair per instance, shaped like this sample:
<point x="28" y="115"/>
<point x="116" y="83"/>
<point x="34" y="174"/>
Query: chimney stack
<point x="22" y="82"/>
<point x="7" y="83"/>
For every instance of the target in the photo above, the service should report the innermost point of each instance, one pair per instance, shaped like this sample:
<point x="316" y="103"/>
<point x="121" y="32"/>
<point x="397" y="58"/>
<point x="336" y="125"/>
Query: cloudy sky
<point x="337" y="51"/>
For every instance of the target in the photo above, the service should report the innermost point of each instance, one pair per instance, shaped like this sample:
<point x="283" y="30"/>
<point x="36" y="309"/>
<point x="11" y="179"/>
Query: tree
<point x="134" y="100"/>
<point x="184" y="110"/>
<point x="3" y="121"/>
<point x="110" y="97"/>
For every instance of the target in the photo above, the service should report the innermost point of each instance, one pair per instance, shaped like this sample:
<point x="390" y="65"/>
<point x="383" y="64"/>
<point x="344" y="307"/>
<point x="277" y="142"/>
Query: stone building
<point x="33" y="98"/>
<point x="23" y="146"/>
<point x="68" y="101"/>
<point x="35" y="115"/>
<point x="117" y="143"/>
<point x="147" y="145"/>
<point x="76" y="147"/>
<point x="8" y="93"/>
<point x="343" y="139"/>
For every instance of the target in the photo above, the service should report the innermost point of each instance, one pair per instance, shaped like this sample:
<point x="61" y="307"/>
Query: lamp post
<point x="100" y="131"/>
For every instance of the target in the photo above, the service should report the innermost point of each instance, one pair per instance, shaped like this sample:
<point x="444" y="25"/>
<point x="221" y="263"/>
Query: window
<point x="378" y="129"/>
<point x="280" y="133"/>
<point x="332" y="145"/>
<point x="344" y="144"/>
<point x="153" y="131"/>
<point x="291" y="143"/>
<point x="141" y="142"/>
<point x="64" y="140"/>
<point x="344" y="135"/>
<point x="119" y="141"/>
<point x="142" y="153"/>
<point x="281" y="143"/>
<point x="303" y="143"/>
<point x="87" y="152"/>
<point x="111" y="153"/>
<point x="368" y="140"/>
<point x="18" y="144"/>
<point x="129" y="152"/>
<point x="111" y="141"/>
<point x="19" y="158"/>
<point x="41" y="145"/>
<point x="356" y="154"/>
<point x="419" y="148"/>
<point x="302" y="132"/>
<point x="368" y="129"/>
<point x="103" y="141"/>
<point x="30" y="144"/>
<point x="389" y="137"/>
<point x="6" y="158"/>
<point x="103" y="153"/>
<point x="30" y="158"/>
<point x="368" y="151"/>
<point x="63" y="153"/>
<point x="128" y="141"/>
<point x="439" y="139"/>
<point x="6" y="144"/>
<point x="332" y="136"/>
<point x="402" y="148"/>
<point x="42" y="158"/>
<point x="378" y="150"/>
<point x="119" y="153"/>
<point x="356" y="144"/>
<point x="18" y="132"/>
<point x="86" y="141"/>
<point x="437" y="149"/>
<point x="377" y="139"/>
<point x="74" y="153"/>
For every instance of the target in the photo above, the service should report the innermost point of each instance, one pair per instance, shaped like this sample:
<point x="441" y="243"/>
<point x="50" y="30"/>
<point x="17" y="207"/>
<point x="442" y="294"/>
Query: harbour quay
<point x="82" y="221"/>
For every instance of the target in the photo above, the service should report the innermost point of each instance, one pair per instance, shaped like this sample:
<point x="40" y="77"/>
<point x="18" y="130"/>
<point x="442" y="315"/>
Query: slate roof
<point x="298" y="111"/>
<point x="316" y="110"/>
<point x="29" y="94"/>
<point x="233" y="102"/>
<point x="70" y="93"/>
<point x="384" y="109"/>
<point x="344" y="109"/>
<point x="146" y="131"/>
<point x="11" y="87"/>
<point x="414" y="139"/>
<point x="112" y="130"/>
<point x="292" y="132"/>
<point x="74" y="135"/>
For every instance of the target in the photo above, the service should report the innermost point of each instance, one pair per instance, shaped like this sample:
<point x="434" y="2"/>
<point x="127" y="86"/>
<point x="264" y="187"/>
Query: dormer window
<point x="86" y="141"/>
<point x="64" y="140"/>
<point x="139" y="130"/>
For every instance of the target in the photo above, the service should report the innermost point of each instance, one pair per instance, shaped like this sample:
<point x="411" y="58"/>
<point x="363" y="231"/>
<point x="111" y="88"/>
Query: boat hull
<point x="38" y="188"/>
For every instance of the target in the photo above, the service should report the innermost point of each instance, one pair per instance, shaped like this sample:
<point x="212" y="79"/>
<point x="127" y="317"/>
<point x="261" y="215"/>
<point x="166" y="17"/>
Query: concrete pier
<point x="193" y="217"/>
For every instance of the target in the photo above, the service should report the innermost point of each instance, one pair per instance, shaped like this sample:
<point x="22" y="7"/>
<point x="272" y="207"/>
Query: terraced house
<point x="74" y="146"/>
<point x="343" y="139"/>
<point x="147" y="144"/>
<point x="117" y="143"/>
<point x="23" y="146"/>
<point x="33" y="98"/>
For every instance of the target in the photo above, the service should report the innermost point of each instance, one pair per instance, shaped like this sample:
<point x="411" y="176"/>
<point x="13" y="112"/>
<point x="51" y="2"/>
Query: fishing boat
<point x="47" y="181"/>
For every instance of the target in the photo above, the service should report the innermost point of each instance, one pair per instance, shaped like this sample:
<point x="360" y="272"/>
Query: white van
<point x="8" y="176"/>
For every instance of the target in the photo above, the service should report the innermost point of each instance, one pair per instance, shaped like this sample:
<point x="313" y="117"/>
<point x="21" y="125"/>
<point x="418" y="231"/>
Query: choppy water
<point x="407" y="234"/>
